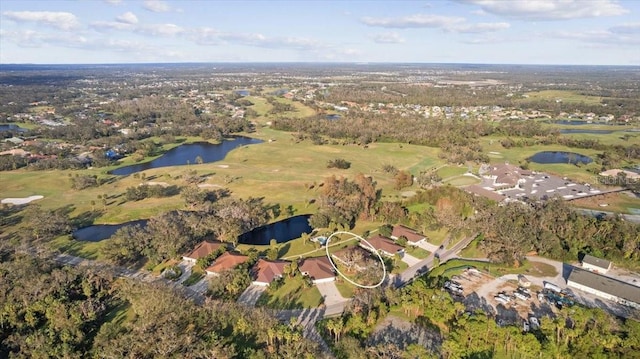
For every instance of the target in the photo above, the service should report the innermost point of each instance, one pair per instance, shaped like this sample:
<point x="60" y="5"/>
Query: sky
<point x="571" y="32"/>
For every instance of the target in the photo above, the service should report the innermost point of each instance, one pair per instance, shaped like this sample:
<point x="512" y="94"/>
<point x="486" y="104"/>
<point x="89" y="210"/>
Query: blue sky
<point x="581" y="32"/>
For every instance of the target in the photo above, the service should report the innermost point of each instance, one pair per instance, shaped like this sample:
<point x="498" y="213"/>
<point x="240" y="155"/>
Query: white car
<point x="535" y="324"/>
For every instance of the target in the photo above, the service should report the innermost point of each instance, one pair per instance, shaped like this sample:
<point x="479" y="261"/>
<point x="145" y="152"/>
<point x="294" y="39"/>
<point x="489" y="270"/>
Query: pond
<point x="11" y="127"/>
<point x="560" y="157"/>
<point x="281" y="231"/>
<point x="578" y="130"/>
<point x="187" y="153"/>
<point x="100" y="232"/>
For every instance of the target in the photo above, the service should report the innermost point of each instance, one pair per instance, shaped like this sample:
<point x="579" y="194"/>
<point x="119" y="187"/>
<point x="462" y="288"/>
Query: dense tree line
<point x="343" y="201"/>
<point x="52" y="311"/>
<point x="443" y="328"/>
<point x="171" y="234"/>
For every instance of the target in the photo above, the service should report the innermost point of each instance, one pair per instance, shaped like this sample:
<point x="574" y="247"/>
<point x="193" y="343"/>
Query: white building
<point x="595" y="264"/>
<point x="605" y="287"/>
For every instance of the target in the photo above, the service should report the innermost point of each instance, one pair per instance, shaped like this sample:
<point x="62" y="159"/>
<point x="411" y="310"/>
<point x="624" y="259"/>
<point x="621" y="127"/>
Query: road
<point x="424" y="265"/>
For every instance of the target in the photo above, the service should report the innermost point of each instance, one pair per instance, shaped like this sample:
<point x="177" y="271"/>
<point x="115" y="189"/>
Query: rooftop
<point x="203" y="249"/>
<point x="595" y="261"/>
<point x="227" y="260"/>
<point x="606" y="284"/>
<point x="317" y="268"/>
<point x="266" y="271"/>
<point x="383" y="243"/>
<point x="411" y="234"/>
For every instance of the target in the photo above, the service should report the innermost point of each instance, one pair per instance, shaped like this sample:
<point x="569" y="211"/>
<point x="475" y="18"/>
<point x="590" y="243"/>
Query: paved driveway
<point x="428" y="246"/>
<point x="250" y="295"/>
<point x="330" y="293"/>
<point x="410" y="260"/>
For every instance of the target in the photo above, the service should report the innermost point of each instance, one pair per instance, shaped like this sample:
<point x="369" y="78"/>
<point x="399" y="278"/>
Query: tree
<point x="403" y="179"/>
<point x="272" y="252"/>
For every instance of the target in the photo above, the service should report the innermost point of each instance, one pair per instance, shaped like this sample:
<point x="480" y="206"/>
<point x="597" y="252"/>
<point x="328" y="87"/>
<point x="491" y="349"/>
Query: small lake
<point x="578" y="130"/>
<point x="560" y="157"/>
<point x="11" y="127"/>
<point x="282" y="231"/>
<point x="573" y="122"/>
<point x="100" y="232"/>
<point x="187" y="153"/>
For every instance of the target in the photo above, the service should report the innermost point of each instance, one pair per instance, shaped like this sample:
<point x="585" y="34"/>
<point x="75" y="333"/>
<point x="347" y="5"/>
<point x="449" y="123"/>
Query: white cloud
<point x="480" y="27"/>
<point x="600" y="37"/>
<point x="413" y="21"/>
<point x="113" y="2"/>
<point x="160" y="29"/>
<point x="156" y="6"/>
<point x="447" y="23"/>
<point x="632" y="28"/>
<point x="128" y="18"/>
<point x="61" y="20"/>
<point x="388" y="38"/>
<point x="549" y="9"/>
<point x="110" y="25"/>
<point x="209" y="36"/>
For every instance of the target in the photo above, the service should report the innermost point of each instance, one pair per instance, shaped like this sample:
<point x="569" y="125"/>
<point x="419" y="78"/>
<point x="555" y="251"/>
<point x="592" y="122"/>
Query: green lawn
<point x="345" y="289"/>
<point x="417" y="252"/>
<point x="89" y="250"/>
<point x="457" y="266"/>
<point x="473" y="250"/>
<point x="451" y="171"/>
<point x="566" y="96"/>
<point x="399" y="267"/>
<point x="462" y="181"/>
<point x="291" y="295"/>
<point x="436" y="237"/>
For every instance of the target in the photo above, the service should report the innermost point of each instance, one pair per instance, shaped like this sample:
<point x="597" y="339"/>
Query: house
<point x="226" y="261"/>
<point x="384" y="246"/>
<point x="605" y="287"/>
<point x="595" y="264"/>
<point x="483" y="192"/>
<point x="319" y="269"/>
<point x="412" y="236"/>
<point x="265" y="272"/>
<point x="202" y="250"/>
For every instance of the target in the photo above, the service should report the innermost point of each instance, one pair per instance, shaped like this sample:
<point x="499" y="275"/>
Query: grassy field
<point x="473" y="250"/>
<point x="451" y="171"/>
<point x="457" y="266"/>
<point x="565" y="96"/>
<point x="346" y="289"/>
<point x="417" y="252"/>
<point x="437" y="237"/>
<point x="291" y="295"/>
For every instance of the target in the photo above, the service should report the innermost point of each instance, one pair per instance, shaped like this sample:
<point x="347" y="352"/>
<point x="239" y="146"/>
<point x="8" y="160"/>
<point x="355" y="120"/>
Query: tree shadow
<point x="85" y="219"/>
<point x="284" y="249"/>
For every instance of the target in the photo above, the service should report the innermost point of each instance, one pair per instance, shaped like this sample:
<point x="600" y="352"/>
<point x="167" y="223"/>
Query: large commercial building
<point x="605" y="287"/>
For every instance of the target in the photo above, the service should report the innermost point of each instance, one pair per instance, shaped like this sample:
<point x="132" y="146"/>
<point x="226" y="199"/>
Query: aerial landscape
<point x="306" y="179"/>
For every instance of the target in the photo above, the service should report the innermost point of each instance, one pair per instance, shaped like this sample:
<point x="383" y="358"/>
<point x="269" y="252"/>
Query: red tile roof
<point x="266" y="271"/>
<point x="385" y="244"/>
<point x="317" y="268"/>
<point x="227" y="260"/>
<point x="203" y="249"/>
<point x="411" y="234"/>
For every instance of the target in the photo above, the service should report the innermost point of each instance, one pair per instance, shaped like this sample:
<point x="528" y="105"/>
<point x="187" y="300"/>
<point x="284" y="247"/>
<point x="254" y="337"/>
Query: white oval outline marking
<point x="384" y="269"/>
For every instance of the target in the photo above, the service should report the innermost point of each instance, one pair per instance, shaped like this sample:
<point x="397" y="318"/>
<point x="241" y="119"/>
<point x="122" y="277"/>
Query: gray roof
<point x="595" y="261"/>
<point x="606" y="284"/>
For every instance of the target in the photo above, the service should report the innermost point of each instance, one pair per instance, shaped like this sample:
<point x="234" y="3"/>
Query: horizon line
<point x="362" y="63"/>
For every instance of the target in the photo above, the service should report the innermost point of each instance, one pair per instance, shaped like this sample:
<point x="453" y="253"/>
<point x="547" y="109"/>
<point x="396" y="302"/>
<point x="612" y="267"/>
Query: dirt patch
<point x="23" y="200"/>
<point x="163" y="184"/>
<point x="209" y="185"/>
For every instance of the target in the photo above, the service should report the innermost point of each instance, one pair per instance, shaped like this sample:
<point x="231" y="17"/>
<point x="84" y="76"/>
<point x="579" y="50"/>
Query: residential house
<point x="226" y="261"/>
<point x="265" y="272"/>
<point x="595" y="264"/>
<point x="202" y="250"/>
<point x="413" y="237"/>
<point x="319" y="269"/>
<point x="605" y="287"/>
<point x="385" y="246"/>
